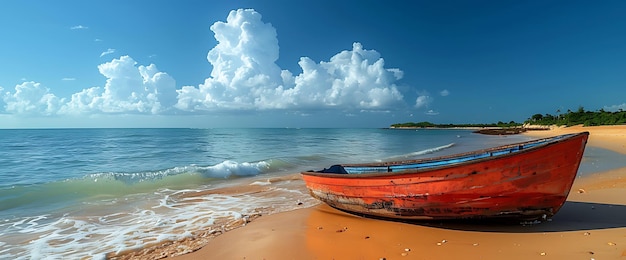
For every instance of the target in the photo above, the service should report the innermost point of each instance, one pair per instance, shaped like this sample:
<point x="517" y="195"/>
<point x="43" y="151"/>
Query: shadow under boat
<point x="573" y="216"/>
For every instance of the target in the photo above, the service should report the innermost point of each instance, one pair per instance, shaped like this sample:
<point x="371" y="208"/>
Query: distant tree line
<point x="569" y="118"/>
<point x="580" y="116"/>
<point x="431" y="125"/>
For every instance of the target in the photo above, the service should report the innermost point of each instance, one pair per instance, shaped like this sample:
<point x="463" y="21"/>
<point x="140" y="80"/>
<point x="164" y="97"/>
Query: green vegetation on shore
<point x="431" y="125"/>
<point x="570" y="118"/>
<point x="586" y="118"/>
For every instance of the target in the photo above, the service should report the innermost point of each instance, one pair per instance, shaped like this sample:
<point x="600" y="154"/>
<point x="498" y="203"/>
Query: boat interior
<point x="441" y="161"/>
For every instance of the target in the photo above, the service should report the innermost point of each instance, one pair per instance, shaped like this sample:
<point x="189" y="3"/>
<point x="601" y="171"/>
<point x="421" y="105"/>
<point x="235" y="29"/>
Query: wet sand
<point x="591" y="225"/>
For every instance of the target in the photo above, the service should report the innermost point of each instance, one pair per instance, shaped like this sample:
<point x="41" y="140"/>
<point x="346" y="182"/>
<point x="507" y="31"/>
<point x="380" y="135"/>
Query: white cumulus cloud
<point x="31" y="98"/>
<point x="128" y="89"/>
<point x="423" y="101"/>
<point x="444" y="93"/>
<point x="245" y="75"/>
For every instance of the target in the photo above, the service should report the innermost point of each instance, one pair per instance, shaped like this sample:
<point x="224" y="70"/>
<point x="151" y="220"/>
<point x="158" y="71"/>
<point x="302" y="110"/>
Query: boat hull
<point x="527" y="185"/>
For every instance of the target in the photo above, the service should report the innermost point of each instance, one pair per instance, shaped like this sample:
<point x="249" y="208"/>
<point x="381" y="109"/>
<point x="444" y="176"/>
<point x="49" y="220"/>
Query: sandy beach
<point x="591" y="225"/>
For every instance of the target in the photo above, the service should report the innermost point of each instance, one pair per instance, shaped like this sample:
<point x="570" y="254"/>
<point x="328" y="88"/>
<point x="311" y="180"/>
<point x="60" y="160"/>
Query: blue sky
<point x="305" y="63"/>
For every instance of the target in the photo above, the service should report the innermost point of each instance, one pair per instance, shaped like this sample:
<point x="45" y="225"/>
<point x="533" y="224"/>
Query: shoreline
<point x="450" y="128"/>
<point x="589" y="226"/>
<point x="486" y="130"/>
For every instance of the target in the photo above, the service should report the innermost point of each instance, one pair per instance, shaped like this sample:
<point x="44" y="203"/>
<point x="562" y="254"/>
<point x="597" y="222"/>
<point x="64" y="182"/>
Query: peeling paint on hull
<point x="531" y="183"/>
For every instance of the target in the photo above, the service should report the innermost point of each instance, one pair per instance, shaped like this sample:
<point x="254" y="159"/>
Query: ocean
<point x="89" y="193"/>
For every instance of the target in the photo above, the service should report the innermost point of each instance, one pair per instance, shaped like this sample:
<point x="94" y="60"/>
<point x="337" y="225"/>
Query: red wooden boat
<point x="526" y="181"/>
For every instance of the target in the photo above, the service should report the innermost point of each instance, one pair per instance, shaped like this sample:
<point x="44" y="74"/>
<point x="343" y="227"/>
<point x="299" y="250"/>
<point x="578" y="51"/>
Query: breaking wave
<point x="114" y="184"/>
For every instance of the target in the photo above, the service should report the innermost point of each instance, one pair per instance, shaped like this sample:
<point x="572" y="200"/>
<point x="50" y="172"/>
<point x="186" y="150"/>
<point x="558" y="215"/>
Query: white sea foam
<point x="227" y="169"/>
<point x="133" y="221"/>
<point x="261" y="183"/>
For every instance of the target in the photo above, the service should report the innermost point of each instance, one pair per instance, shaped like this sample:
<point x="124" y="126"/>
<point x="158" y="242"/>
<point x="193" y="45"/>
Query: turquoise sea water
<point x="74" y="193"/>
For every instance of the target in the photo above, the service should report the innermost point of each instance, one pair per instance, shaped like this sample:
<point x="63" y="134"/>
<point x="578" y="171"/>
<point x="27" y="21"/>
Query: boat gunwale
<point x="544" y="143"/>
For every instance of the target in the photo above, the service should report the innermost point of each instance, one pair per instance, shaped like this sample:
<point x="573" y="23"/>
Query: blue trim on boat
<point x="430" y="164"/>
